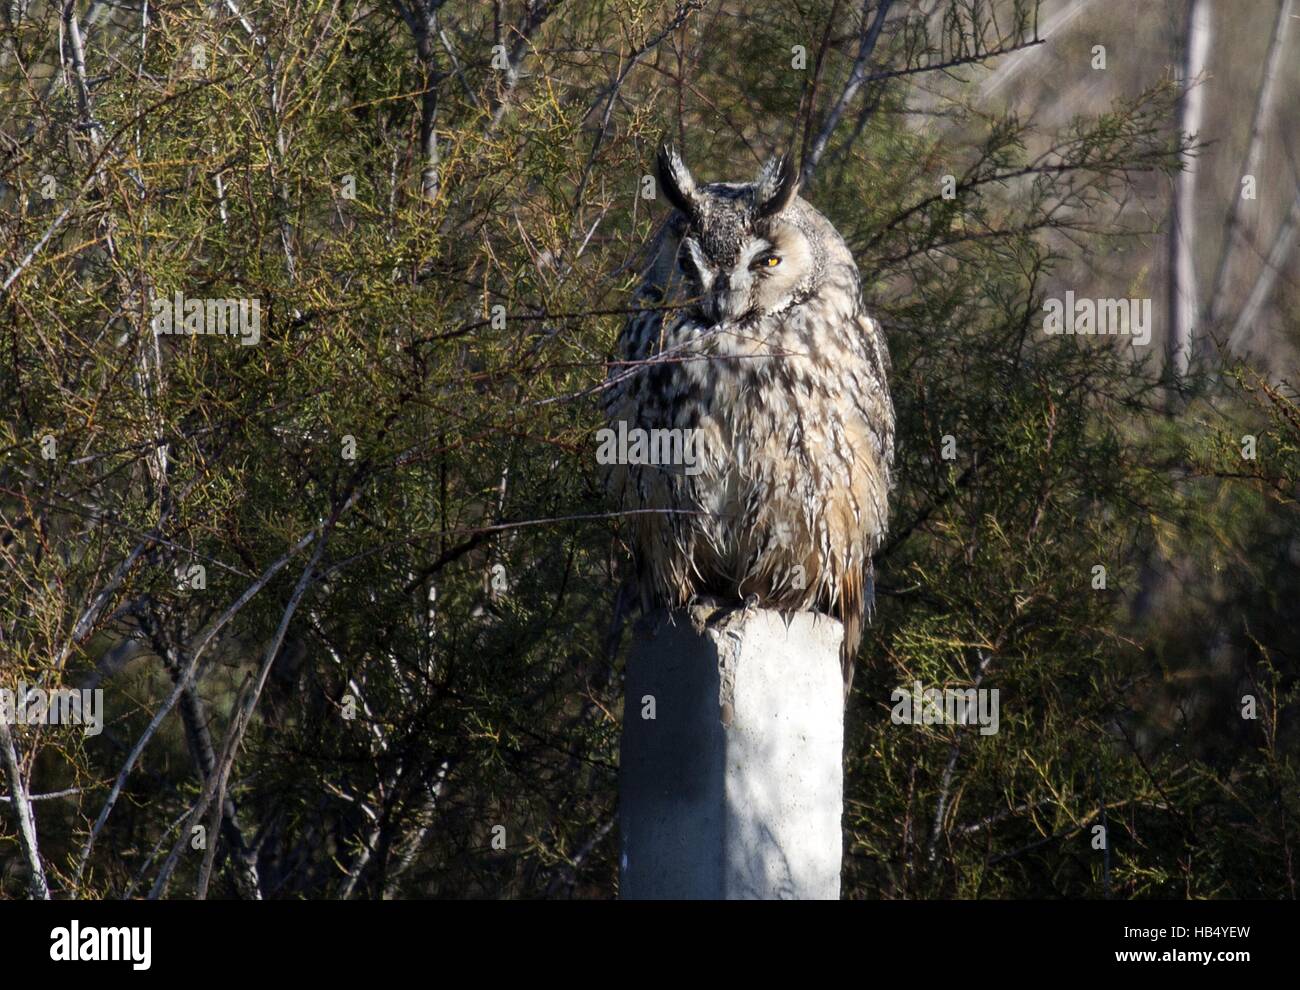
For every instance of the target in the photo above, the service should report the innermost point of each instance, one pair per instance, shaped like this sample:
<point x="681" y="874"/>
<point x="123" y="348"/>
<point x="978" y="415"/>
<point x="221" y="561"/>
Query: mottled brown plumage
<point x="783" y="375"/>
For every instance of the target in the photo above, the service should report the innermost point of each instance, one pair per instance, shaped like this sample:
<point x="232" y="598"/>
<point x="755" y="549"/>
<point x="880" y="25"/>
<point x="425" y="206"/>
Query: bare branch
<point x="195" y="655"/>
<point x="1217" y="299"/>
<point x="858" y="75"/>
<point x="36" y="885"/>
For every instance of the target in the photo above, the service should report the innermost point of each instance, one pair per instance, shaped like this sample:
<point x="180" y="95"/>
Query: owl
<point x="750" y="360"/>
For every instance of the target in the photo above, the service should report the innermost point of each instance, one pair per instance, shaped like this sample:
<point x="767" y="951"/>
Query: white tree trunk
<point x="1182" y="221"/>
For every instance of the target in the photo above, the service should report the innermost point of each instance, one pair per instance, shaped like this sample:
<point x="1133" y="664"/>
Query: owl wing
<point x="875" y="410"/>
<point x="873" y="399"/>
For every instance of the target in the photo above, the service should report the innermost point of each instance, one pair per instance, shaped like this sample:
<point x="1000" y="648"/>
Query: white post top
<point x="749" y="809"/>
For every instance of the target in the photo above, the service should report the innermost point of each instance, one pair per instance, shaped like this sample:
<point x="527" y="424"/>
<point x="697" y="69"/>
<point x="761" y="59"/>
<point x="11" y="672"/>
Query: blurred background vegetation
<point x="397" y="676"/>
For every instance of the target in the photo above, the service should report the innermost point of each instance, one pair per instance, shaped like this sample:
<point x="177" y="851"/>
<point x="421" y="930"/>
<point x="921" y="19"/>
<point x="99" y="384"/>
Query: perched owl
<point x="750" y="358"/>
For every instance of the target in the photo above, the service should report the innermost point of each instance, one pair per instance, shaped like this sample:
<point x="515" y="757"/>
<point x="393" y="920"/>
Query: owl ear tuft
<point x="676" y="182"/>
<point x="776" y="186"/>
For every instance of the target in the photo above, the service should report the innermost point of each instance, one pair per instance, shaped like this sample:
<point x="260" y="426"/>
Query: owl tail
<point x="849" y="649"/>
<point x="857" y="596"/>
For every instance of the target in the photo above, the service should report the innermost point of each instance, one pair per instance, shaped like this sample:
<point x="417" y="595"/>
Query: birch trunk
<point x="1182" y="220"/>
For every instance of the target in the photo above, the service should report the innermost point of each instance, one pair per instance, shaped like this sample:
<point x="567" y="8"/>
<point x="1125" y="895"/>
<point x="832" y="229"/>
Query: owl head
<point x="744" y="250"/>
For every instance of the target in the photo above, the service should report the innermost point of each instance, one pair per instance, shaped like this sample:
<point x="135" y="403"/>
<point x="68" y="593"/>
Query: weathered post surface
<point x="731" y="782"/>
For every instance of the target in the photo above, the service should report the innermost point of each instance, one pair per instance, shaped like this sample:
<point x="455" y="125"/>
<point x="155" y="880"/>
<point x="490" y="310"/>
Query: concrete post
<point x="731" y="782"/>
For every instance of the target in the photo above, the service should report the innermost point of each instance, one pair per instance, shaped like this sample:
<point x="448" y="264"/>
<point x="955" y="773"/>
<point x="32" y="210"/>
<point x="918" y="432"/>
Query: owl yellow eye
<point x="768" y="261"/>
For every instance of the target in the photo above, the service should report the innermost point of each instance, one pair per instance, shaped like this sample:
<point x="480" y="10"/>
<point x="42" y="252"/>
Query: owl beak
<point x="725" y="305"/>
